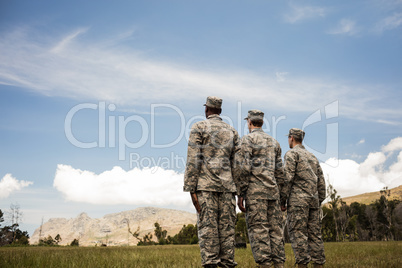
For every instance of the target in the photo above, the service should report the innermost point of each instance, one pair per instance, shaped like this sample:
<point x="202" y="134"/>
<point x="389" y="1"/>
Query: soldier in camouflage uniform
<point x="208" y="177"/>
<point x="305" y="190"/>
<point x="261" y="184"/>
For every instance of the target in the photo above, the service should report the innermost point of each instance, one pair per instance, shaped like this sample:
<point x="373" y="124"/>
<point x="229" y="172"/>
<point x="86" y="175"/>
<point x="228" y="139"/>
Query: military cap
<point x="213" y="102"/>
<point x="297" y="133"/>
<point x="255" y="114"/>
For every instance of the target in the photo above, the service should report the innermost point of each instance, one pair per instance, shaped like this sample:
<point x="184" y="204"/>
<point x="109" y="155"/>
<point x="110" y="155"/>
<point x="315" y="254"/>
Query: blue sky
<point x="97" y="98"/>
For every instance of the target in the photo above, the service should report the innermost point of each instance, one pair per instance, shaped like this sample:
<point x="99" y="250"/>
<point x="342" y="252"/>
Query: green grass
<point x="353" y="254"/>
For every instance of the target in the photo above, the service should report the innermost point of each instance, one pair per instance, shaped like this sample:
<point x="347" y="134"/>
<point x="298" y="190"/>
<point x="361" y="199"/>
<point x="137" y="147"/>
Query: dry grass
<point x="353" y="254"/>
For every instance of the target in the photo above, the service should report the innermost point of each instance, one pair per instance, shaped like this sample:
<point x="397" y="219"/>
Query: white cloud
<point x="393" y="145"/>
<point x="9" y="184"/>
<point x="281" y="76"/>
<point x="301" y="13"/>
<point x="345" y="26"/>
<point x="148" y="186"/>
<point x="389" y="23"/>
<point x="351" y="178"/>
<point x="362" y="141"/>
<point x="97" y="70"/>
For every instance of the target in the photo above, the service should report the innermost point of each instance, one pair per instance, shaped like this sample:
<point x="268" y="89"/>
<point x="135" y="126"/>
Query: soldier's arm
<point x="194" y="159"/>
<point x="280" y="174"/>
<point x="320" y="183"/>
<point x="235" y="161"/>
<point x="290" y="171"/>
<point x="246" y="152"/>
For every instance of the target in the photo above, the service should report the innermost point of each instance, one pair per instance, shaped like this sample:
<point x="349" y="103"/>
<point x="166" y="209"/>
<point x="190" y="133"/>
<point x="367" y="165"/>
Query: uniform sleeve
<point x="194" y="159"/>
<point x="290" y="172"/>
<point x="235" y="160"/>
<point x="280" y="174"/>
<point x="320" y="183"/>
<point x="246" y="152"/>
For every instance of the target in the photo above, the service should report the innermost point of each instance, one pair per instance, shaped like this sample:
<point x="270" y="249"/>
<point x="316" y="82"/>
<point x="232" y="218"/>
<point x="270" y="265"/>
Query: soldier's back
<point x="304" y="187"/>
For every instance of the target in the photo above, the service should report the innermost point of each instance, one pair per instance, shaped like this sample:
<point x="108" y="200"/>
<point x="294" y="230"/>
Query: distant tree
<point x="15" y="216"/>
<point x="75" y="243"/>
<point x="134" y="234"/>
<point x="397" y="216"/>
<point x="146" y="240"/>
<point x="371" y="216"/>
<point x="334" y="203"/>
<point x="12" y="235"/>
<point x="328" y="225"/>
<point x="1" y="216"/>
<point x="385" y="223"/>
<point x="342" y="220"/>
<point x="57" y="239"/>
<point x="362" y="222"/>
<point x="48" y="241"/>
<point x="160" y="234"/>
<point x="187" y="235"/>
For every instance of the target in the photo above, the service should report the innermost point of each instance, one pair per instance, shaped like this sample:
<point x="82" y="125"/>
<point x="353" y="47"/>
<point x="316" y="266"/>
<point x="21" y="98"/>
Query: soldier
<point x="306" y="191"/>
<point x="208" y="177"/>
<point x="261" y="185"/>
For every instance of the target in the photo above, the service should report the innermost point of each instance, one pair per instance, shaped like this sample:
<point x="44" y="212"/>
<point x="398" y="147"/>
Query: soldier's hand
<point x="194" y="198"/>
<point x="240" y="204"/>
<point x="283" y="208"/>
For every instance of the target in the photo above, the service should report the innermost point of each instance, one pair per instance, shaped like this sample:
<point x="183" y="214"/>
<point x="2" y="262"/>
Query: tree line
<point x="11" y="234"/>
<point x="379" y="221"/>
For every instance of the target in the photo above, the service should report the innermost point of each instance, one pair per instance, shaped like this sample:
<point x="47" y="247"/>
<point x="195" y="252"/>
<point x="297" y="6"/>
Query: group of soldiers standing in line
<point x="220" y="166"/>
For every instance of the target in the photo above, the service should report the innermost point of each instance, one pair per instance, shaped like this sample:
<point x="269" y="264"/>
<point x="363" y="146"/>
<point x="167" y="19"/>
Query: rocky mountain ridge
<point x="112" y="229"/>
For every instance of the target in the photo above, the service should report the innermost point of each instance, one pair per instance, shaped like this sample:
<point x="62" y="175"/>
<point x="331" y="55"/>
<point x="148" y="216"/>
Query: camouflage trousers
<point x="216" y="228"/>
<point x="304" y="227"/>
<point x="265" y="230"/>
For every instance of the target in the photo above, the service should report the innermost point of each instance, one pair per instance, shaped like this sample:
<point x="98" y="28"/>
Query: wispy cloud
<point x="85" y="70"/>
<point x="345" y="27"/>
<point x="9" y="184"/>
<point x="362" y="141"/>
<point x="300" y="13"/>
<point x="281" y="76"/>
<point x="389" y="23"/>
<point x="66" y="41"/>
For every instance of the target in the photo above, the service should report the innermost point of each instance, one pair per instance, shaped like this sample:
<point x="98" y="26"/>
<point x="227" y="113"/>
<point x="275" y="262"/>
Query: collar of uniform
<point x="299" y="145"/>
<point x="257" y="129"/>
<point x="214" y="116"/>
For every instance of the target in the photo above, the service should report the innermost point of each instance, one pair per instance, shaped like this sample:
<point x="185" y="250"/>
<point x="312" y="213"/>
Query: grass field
<point x="352" y="254"/>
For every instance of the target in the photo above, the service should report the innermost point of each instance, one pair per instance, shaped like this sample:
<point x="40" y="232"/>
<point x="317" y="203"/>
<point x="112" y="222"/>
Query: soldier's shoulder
<point x="231" y="128"/>
<point x="274" y="141"/>
<point x="292" y="153"/>
<point x="270" y="139"/>
<point x="198" y="125"/>
<point x="312" y="156"/>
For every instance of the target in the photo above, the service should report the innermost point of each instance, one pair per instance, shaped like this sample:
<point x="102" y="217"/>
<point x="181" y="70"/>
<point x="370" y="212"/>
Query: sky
<point x="97" y="98"/>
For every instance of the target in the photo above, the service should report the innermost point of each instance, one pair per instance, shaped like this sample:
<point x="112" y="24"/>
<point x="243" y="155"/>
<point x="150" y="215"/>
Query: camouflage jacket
<point x="305" y="183"/>
<point x="210" y="157"/>
<point x="260" y="162"/>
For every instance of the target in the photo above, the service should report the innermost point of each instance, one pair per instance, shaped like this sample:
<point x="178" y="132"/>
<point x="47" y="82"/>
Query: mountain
<point x="112" y="229"/>
<point x="368" y="198"/>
